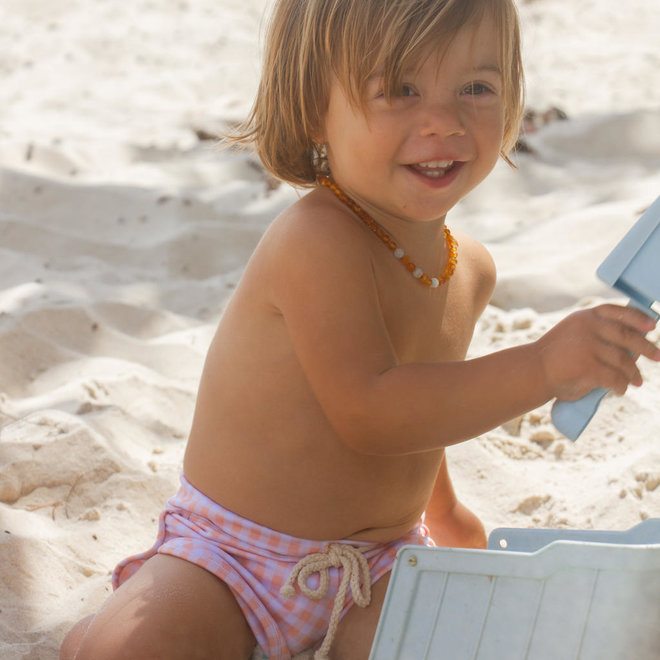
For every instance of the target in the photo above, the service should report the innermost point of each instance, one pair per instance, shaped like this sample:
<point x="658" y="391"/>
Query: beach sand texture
<point x="123" y="232"/>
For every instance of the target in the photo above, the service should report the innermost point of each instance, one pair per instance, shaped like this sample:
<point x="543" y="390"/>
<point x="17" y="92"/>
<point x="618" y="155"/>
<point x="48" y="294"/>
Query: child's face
<point x="416" y="157"/>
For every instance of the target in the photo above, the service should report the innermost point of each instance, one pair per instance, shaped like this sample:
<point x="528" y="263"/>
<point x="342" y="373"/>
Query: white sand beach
<point x="123" y="231"/>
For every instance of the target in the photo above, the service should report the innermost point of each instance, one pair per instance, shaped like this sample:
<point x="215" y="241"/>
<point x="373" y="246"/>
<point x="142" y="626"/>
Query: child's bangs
<point x="388" y="39"/>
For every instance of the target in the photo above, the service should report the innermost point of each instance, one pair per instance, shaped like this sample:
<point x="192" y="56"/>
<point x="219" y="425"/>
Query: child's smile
<point x="440" y="172"/>
<point x="413" y="157"/>
<point x="435" y="168"/>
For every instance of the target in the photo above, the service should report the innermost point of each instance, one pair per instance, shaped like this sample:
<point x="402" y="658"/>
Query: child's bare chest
<point x="428" y="325"/>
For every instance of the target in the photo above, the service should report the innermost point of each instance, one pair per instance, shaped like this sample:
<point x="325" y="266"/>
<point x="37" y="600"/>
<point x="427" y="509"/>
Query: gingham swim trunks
<point x="255" y="562"/>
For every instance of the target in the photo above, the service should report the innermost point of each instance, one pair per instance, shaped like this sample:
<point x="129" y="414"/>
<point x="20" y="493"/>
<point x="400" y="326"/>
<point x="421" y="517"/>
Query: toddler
<point x="338" y="376"/>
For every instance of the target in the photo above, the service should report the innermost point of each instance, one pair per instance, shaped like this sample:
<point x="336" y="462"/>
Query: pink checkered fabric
<point x="254" y="562"/>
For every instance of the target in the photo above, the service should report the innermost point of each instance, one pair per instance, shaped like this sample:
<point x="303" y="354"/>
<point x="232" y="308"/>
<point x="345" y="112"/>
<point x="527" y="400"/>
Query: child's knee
<point x="115" y="642"/>
<point x="74" y="638"/>
<point x="471" y="532"/>
<point x="90" y="646"/>
<point x="168" y="609"/>
<point x="476" y="535"/>
<point x="458" y="528"/>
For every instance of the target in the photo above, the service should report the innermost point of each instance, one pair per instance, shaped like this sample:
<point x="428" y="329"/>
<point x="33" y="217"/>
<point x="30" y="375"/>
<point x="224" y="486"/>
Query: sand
<point x="123" y="232"/>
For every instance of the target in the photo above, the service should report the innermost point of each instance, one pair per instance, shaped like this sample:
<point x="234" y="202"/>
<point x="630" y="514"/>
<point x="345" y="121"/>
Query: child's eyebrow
<point x="378" y="75"/>
<point x="490" y="68"/>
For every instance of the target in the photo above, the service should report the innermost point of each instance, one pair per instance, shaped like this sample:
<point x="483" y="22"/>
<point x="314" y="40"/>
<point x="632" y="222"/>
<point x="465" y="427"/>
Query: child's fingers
<point x="629" y="339"/>
<point x="596" y="347"/>
<point x="625" y="328"/>
<point x="628" y="316"/>
<point x="620" y="369"/>
<point x="648" y="349"/>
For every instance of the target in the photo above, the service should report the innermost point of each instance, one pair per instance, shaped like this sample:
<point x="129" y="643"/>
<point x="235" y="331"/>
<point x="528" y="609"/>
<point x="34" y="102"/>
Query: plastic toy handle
<point x="572" y="417"/>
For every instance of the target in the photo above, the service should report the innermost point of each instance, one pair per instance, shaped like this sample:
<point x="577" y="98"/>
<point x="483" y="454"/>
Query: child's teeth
<point x="437" y="164"/>
<point x="434" y="168"/>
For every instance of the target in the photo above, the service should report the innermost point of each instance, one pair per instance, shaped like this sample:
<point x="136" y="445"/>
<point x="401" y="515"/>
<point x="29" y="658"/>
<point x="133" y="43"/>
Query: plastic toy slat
<point x="459" y="618"/>
<point x="568" y="622"/>
<point x="499" y="639"/>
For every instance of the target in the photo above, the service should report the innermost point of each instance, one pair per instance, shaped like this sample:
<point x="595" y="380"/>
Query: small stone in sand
<point x="543" y="438"/>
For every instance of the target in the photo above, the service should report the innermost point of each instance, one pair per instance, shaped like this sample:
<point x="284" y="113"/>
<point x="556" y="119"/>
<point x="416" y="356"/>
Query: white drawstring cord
<point x="355" y="572"/>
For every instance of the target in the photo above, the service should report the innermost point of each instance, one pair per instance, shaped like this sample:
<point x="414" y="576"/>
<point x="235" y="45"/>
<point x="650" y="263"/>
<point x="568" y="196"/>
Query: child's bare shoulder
<point x="314" y="217"/>
<point x="481" y="268"/>
<point x="316" y="237"/>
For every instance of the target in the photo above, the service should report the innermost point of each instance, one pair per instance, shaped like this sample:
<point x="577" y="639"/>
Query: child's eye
<point x="476" y="89"/>
<point x="403" y="91"/>
<point x="406" y="90"/>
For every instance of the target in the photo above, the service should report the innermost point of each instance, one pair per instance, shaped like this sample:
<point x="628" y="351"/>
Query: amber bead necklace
<point x="398" y="252"/>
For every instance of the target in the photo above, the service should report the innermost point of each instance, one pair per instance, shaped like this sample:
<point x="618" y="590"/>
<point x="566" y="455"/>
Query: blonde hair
<point x="309" y="41"/>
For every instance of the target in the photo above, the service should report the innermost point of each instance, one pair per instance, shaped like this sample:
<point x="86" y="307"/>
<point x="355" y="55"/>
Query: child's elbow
<point x="364" y="434"/>
<point x="370" y="421"/>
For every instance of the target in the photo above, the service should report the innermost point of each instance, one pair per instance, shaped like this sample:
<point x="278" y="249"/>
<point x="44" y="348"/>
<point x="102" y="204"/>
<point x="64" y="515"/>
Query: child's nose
<point x="442" y="120"/>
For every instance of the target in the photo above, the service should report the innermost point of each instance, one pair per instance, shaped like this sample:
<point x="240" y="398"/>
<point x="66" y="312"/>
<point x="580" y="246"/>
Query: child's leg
<point x="451" y="523"/>
<point x="169" y="609"/>
<point x="456" y="528"/>
<point x="73" y="638"/>
<point x="355" y="633"/>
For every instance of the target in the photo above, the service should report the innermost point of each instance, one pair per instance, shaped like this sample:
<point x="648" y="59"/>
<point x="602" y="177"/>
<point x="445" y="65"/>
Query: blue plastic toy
<point x="633" y="268"/>
<point x="535" y="594"/>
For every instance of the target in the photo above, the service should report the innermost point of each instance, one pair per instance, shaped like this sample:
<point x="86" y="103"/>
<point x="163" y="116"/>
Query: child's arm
<point x="322" y="281"/>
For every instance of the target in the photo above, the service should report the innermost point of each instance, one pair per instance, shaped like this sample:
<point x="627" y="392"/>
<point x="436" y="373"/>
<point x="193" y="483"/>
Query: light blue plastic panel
<point x="633" y="266"/>
<point x="569" y="601"/>
<point x="530" y="540"/>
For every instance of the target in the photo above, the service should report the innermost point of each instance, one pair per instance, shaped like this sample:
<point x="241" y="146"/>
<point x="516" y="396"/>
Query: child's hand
<point x="596" y="348"/>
